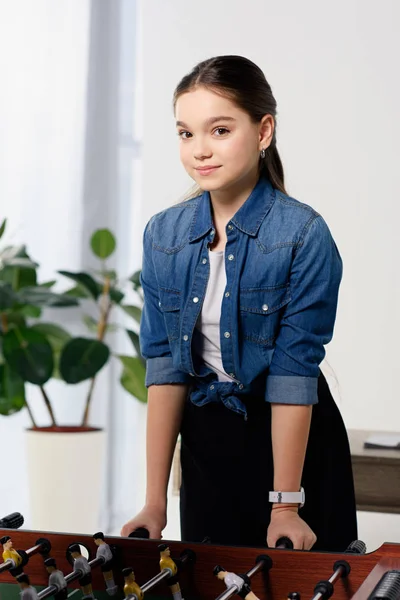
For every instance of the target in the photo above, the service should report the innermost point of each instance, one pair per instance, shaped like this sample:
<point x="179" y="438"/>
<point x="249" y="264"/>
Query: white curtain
<point x="69" y="163"/>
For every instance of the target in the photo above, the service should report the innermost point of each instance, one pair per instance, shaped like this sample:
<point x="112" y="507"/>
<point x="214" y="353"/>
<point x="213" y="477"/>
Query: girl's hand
<point x="285" y="521"/>
<point x="152" y="518"/>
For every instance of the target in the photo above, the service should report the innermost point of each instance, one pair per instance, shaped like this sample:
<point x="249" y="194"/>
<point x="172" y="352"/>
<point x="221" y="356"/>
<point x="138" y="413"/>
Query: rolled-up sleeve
<point x="308" y="320"/>
<point x="154" y="344"/>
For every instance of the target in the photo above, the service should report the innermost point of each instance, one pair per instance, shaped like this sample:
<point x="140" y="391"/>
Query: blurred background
<point x="88" y="142"/>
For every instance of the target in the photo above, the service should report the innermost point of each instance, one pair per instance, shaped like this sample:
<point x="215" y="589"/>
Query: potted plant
<point x="33" y="351"/>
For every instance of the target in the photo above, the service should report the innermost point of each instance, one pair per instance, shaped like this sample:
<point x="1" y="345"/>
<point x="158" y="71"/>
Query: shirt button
<point x="231" y="257"/>
<point x="232" y="374"/>
<point x="159" y="304"/>
<point x="204" y="261"/>
<point x="227" y="294"/>
<point x="195" y="299"/>
<point x="240" y="386"/>
<point x="265" y="306"/>
<point x="192" y="374"/>
<point x="212" y="387"/>
<point x="230" y="226"/>
<point x="227" y="334"/>
<point x="186" y="337"/>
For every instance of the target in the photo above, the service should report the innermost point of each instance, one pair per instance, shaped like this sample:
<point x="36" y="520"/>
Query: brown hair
<point x="243" y="82"/>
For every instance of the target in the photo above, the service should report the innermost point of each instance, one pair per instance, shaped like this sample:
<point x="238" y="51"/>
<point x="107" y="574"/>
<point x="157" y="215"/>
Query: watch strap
<point x="288" y="497"/>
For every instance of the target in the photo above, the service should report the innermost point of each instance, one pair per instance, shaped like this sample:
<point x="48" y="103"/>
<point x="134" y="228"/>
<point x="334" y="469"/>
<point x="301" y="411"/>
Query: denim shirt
<point x="283" y="272"/>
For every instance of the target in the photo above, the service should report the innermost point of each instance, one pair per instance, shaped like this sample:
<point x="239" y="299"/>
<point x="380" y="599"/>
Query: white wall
<point x="332" y="67"/>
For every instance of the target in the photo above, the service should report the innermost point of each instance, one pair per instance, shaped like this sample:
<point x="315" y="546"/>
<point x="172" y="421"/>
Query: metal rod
<point x="34" y="549"/>
<point x="49" y="591"/>
<point x="257" y="567"/>
<point x="5" y="566"/>
<point x="332" y="579"/>
<point x="233" y="589"/>
<point x="164" y="574"/>
<point x="229" y="592"/>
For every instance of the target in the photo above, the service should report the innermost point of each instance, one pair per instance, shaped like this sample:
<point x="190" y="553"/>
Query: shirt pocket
<point x="261" y="312"/>
<point x="170" y="305"/>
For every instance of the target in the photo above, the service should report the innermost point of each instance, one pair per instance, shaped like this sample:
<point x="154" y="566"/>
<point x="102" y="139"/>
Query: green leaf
<point x="133" y="311"/>
<point x="103" y="243"/>
<point x="136" y="344"/>
<point x="78" y="291"/>
<point x="85" y="280"/>
<point x="29" y="354"/>
<point x="12" y="391"/>
<point x="38" y="296"/>
<point x="47" y="284"/>
<point x="3" y="227"/>
<point x="56" y="335"/>
<point x="7" y="296"/>
<point x="135" y="278"/>
<point x="82" y="358"/>
<point x="133" y="377"/>
<point x="116" y="296"/>
<point x="92" y="325"/>
<point x="17" y="276"/>
<point x="23" y="263"/>
<point x="28" y="311"/>
<point x="14" y="319"/>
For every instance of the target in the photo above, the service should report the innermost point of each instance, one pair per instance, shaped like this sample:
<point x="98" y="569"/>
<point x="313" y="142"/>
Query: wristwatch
<point x="288" y="497"/>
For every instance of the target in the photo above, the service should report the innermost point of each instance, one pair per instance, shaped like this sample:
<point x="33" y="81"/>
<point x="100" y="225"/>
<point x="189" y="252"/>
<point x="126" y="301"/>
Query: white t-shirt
<point x="206" y="336"/>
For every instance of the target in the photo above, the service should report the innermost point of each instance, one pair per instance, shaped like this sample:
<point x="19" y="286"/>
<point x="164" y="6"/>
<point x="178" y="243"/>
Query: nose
<point x="201" y="149"/>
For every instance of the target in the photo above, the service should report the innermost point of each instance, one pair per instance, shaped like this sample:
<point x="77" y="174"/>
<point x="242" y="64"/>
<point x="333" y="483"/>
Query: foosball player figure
<point x="28" y="592"/>
<point x="104" y="551"/>
<point x="241" y="582"/>
<point x="56" y="578"/>
<point x="81" y="564"/>
<point x="131" y="587"/>
<point x="166" y="562"/>
<point x="10" y="554"/>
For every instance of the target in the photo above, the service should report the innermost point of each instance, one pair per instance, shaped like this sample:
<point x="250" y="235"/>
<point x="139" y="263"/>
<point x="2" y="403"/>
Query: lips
<point x="207" y="170"/>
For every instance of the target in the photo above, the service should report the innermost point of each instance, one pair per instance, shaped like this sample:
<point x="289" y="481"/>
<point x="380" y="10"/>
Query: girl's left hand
<point x="285" y="521"/>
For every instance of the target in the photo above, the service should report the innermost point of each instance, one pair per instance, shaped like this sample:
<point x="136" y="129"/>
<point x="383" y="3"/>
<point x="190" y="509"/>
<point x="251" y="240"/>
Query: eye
<point x="221" y="129"/>
<point x="181" y="134"/>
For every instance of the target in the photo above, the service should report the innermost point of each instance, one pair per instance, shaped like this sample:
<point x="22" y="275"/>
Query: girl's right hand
<point x="152" y="518"/>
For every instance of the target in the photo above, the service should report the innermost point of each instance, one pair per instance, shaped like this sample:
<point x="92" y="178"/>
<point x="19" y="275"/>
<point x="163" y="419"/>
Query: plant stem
<point x="88" y="399"/>
<point x="105" y="308"/>
<point x="31" y="415"/>
<point x="4" y="322"/>
<point x="48" y="406"/>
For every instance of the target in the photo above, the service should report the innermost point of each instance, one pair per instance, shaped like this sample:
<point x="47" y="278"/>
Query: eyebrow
<point x="208" y="122"/>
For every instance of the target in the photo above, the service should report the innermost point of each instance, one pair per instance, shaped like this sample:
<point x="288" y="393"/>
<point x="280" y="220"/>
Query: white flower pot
<point x="65" y="471"/>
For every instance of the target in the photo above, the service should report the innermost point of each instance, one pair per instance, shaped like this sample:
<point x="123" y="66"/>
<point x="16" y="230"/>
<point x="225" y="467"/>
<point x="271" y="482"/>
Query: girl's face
<point x="219" y="144"/>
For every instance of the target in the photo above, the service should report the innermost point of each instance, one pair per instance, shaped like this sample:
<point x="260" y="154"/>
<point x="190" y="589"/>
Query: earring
<point x="262" y="153"/>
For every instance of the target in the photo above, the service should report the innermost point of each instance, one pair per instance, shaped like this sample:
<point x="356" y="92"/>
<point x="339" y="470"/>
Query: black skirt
<point x="227" y="472"/>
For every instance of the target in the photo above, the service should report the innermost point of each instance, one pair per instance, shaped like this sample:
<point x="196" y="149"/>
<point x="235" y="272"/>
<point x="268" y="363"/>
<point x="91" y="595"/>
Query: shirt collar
<point x="248" y="218"/>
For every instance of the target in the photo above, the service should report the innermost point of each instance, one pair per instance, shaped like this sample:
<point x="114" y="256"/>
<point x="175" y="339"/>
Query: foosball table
<point x="40" y="565"/>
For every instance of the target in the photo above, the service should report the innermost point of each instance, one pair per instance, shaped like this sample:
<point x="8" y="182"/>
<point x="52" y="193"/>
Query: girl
<point x="241" y="284"/>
